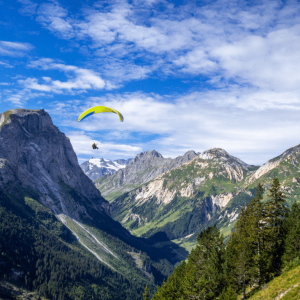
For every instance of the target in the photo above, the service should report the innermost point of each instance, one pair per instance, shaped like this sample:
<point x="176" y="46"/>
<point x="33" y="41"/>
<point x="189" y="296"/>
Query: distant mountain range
<point x="95" y="168"/>
<point x="209" y="189"/>
<point x="143" y="168"/>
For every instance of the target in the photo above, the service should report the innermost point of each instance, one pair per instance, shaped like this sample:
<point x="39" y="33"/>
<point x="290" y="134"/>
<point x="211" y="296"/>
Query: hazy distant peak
<point x="95" y="168"/>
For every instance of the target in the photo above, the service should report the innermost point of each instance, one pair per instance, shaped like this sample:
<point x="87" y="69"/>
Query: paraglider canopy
<point x="99" y="109"/>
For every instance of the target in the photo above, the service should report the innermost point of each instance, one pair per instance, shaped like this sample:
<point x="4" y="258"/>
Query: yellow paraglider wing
<point x="99" y="109"/>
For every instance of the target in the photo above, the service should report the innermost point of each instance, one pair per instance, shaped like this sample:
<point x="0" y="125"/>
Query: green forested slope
<point x="260" y="260"/>
<point x="41" y="254"/>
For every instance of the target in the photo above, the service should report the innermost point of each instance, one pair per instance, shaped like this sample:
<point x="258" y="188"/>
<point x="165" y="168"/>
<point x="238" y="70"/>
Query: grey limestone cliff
<point x="36" y="156"/>
<point x="143" y="168"/>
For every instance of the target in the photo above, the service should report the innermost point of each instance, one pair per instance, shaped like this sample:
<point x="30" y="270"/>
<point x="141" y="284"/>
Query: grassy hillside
<point x="285" y="287"/>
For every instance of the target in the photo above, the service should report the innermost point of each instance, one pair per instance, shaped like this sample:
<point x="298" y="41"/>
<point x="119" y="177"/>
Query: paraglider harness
<point x="95" y="146"/>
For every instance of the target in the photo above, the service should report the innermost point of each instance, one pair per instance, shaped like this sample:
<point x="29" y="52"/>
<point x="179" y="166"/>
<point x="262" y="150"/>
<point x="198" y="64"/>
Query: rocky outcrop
<point x="191" y="194"/>
<point x="222" y="200"/>
<point x="291" y="153"/>
<point x="233" y="167"/>
<point x="154" y="189"/>
<point x="36" y="156"/>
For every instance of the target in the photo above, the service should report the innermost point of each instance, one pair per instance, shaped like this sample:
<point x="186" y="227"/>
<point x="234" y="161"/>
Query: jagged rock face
<point x="292" y="154"/>
<point x="143" y="168"/>
<point x="233" y="166"/>
<point x="95" y="168"/>
<point x="34" y="153"/>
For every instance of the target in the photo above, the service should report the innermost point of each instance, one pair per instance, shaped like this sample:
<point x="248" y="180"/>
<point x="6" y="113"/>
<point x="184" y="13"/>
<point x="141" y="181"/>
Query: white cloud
<point x="196" y="61"/>
<point x="28" y="8"/>
<point x="14" y="48"/>
<point x="20" y="97"/>
<point x="51" y="15"/>
<point x="248" y="53"/>
<point x="80" y="79"/>
<point x="5" y="65"/>
<point x="82" y="144"/>
<point x="192" y="122"/>
<point x="253" y="44"/>
<point x="271" y="62"/>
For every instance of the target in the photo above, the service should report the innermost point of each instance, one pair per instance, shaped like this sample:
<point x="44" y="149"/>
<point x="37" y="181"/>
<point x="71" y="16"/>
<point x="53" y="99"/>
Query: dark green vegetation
<point x="265" y="242"/>
<point x="39" y="253"/>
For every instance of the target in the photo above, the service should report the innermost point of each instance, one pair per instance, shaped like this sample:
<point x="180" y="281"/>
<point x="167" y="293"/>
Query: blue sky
<point x="186" y="75"/>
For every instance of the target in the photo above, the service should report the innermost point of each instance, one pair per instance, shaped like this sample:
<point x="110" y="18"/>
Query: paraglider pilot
<point x="95" y="146"/>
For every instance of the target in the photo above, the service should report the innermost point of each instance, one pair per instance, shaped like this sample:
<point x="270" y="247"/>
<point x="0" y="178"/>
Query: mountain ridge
<point x="209" y="189"/>
<point x="143" y="168"/>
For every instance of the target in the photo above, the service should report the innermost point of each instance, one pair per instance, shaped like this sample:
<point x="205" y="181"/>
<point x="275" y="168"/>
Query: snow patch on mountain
<point x="95" y="168"/>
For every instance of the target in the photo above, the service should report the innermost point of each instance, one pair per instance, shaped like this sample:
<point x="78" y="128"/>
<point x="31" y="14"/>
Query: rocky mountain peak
<point x="146" y="155"/>
<point x="219" y="154"/>
<point x="143" y="168"/>
<point x="41" y="158"/>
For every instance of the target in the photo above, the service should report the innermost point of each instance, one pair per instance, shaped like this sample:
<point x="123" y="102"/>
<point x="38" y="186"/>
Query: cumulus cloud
<point x="257" y="44"/>
<point x="80" y="79"/>
<point x="189" y="122"/>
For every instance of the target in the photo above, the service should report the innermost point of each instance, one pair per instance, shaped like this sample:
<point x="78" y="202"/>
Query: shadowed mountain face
<point x="34" y="153"/>
<point x="40" y="180"/>
<point x="143" y="168"/>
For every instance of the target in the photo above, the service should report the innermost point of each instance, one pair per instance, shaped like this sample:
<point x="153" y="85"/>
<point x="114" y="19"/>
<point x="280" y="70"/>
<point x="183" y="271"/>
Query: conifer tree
<point x="257" y="232"/>
<point x="173" y="288"/>
<point x="146" y="294"/>
<point x="204" y="271"/>
<point x="239" y="254"/>
<point x="275" y="215"/>
<point x="228" y="294"/>
<point x="292" y="241"/>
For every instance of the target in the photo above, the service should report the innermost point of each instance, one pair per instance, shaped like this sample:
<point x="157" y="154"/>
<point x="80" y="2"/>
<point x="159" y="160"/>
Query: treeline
<point x="32" y="257"/>
<point x="264" y="242"/>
